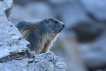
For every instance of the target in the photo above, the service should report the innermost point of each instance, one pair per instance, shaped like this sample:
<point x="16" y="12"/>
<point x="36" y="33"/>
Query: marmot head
<point x="50" y="26"/>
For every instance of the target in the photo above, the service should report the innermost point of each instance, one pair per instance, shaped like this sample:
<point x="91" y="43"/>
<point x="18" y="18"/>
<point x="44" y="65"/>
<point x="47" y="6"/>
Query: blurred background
<point x="82" y="44"/>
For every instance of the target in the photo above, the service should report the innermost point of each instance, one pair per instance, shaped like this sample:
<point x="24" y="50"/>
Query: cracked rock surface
<point x="10" y="38"/>
<point x="47" y="62"/>
<point x="41" y="62"/>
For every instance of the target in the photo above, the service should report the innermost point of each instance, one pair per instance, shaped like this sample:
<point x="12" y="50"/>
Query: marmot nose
<point x="63" y="26"/>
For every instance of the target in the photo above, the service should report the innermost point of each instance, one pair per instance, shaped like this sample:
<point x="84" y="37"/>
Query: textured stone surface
<point x="6" y="6"/>
<point x="47" y="62"/>
<point x="10" y="38"/>
<point x="41" y="62"/>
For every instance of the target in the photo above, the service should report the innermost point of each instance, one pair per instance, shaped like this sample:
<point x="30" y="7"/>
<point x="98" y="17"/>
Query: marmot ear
<point x="24" y="25"/>
<point x="46" y="21"/>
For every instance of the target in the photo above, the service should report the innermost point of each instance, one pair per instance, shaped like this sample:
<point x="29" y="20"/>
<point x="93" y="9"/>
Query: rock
<point x="96" y="9"/>
<point x="67" y="48"/>
<point x="93" y="54"/>
<point x="7" y="7"/>
<point x="41" y="62"/>
<point x="95" y="60"/>
<point x="7" y="11"/>
<point x="88" y="31"/>
<point x="47" y="62"/>
<point x="10" y="38"/>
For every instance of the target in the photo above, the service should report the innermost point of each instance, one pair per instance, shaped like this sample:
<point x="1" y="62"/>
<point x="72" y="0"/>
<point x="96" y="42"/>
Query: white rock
<point x="9" y="35"/>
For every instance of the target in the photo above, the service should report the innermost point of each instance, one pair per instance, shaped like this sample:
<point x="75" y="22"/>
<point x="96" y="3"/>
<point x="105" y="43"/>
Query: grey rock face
<point x="9" y="35"/>
<point x="47" y="62"/>
<point x="41" y="62"/>
<point x="6" y="6"/>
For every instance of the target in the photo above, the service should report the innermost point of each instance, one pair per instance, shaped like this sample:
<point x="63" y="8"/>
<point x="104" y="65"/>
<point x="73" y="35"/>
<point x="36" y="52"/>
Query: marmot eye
<point x="47" y="22"/>
<point x="56" y="22"/>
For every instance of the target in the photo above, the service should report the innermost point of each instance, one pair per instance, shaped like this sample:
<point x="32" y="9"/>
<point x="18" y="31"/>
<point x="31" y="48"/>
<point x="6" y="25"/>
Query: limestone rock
<point x="41" y="62"/>
<point x="10" y="38"/>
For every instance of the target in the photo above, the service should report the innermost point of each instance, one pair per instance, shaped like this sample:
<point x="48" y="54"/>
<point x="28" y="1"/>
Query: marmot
<point x="40" y="34"/>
